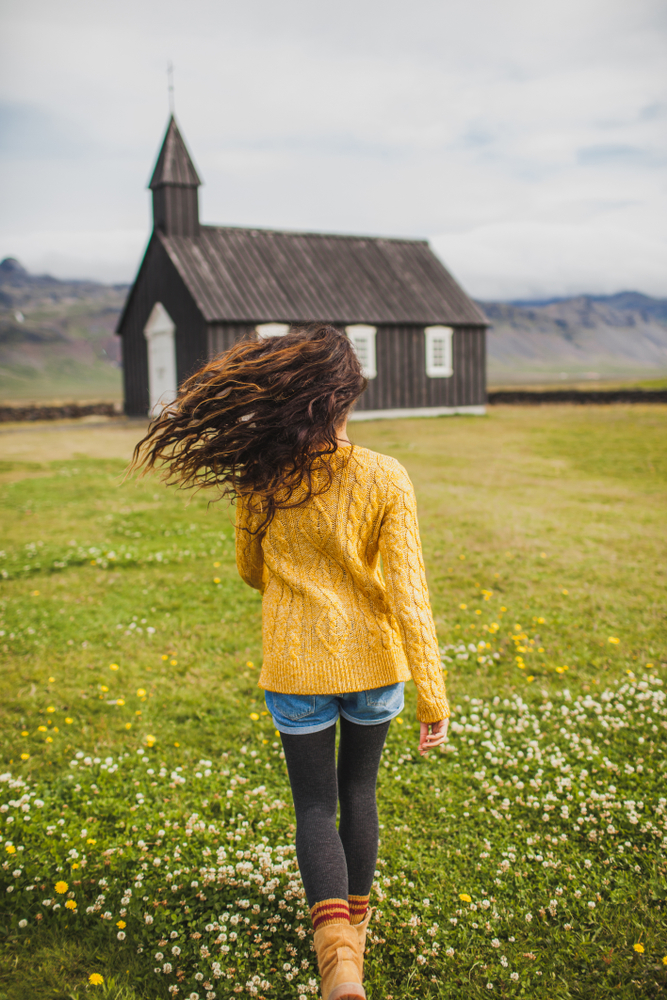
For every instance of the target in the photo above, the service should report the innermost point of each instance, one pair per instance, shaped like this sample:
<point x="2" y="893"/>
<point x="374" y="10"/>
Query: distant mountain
<point x="586" y="336"/>
<point x="56" y="337"/>
<point x="20" y="288"/>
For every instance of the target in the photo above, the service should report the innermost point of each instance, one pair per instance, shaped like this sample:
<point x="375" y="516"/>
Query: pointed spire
<point x="174" y="165"/>
<point x="174" y="185"/>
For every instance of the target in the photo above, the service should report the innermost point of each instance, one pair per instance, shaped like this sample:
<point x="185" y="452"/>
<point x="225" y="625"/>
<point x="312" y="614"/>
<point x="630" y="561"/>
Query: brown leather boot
<point x="361" y="933"/>
<point x="338" y="957"/>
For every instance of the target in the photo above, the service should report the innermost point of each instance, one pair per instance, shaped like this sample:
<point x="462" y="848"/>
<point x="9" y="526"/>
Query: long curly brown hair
<point x="260" y="420"/>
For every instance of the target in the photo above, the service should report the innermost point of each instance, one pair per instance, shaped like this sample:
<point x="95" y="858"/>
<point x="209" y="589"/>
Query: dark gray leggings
<point x="335" y="863"/>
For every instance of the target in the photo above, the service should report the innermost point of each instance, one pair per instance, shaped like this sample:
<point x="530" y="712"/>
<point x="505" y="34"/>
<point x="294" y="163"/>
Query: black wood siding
<point x="158" y="281"/>
<point x="221" y="336"/>
<point x="402" y="382"/>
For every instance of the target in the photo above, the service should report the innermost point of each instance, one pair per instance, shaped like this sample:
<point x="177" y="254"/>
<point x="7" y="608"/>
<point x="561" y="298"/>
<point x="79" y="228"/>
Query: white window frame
<point x="361" y="332"/>
<point x="272" y="329"/>
<point x="160" y="334"/>
<point x="434" y="333"/>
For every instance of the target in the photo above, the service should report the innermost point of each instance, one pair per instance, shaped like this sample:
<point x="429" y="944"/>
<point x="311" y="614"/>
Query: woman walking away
<point x="265" y="423"/>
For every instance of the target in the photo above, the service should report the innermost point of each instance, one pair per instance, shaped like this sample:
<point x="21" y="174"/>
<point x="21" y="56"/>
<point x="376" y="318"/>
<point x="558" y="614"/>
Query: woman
<point x="266" y="423"/>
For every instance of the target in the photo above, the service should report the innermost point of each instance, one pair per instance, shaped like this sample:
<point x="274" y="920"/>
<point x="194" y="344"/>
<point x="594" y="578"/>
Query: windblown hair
<point x="260" y="420"/>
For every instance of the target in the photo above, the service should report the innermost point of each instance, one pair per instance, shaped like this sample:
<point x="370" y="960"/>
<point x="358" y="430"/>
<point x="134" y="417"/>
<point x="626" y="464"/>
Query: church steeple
<point x="174" y="185"/>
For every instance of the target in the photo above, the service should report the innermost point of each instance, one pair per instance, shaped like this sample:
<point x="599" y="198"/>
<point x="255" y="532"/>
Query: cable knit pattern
<point x="331" y="623"/>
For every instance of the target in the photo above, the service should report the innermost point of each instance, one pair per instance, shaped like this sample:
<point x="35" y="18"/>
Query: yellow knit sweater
<point x="331" y="623"/>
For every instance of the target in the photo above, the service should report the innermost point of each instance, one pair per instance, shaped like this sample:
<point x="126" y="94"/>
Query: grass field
<point x="144" y="811"/>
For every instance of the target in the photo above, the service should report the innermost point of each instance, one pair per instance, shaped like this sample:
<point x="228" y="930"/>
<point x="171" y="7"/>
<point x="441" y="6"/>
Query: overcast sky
<point x="526" y="139"/>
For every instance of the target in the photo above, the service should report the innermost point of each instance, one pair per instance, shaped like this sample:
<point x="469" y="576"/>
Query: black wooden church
<point x="421" y="339"/>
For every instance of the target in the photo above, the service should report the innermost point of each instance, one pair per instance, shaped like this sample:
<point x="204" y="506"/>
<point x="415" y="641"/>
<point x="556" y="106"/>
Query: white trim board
<point x="422" y="411"/>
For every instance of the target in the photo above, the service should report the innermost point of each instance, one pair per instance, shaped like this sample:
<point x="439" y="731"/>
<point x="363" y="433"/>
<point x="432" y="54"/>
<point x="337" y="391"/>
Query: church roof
<point x="259" y="275"/>
<point x="174" y="164"/>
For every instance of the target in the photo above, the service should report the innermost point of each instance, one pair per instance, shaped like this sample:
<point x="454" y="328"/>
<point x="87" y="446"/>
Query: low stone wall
<point x="11" y="414"/>
<point x="525" y="397"/>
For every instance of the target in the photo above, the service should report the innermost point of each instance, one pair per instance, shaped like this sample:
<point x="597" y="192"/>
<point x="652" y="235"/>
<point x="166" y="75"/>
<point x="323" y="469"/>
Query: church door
<point x="160" y="337"/>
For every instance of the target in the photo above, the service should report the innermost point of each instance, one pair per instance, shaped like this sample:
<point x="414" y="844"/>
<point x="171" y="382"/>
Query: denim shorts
<point x="309" y="713"/>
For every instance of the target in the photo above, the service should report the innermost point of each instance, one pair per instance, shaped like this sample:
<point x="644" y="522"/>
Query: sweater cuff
<point x="432" y="711"/>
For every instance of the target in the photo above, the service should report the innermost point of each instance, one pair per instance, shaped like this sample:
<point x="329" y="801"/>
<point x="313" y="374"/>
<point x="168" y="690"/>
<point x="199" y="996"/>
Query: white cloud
<point x="524" y="127"/>
<point x="536" y="260"/>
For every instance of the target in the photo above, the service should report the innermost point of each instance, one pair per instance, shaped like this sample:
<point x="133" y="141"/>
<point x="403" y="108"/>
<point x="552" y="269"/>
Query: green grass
<point x="544" y="536"/>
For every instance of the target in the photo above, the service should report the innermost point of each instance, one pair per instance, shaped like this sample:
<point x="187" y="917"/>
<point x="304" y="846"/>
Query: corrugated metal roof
<point x="174" y="165"/>
<point x="261" y="275"/>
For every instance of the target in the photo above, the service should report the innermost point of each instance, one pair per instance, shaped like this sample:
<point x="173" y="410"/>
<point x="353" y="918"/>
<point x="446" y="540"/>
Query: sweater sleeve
<point x="407" y="596"/>
<point x="249" y="555"/>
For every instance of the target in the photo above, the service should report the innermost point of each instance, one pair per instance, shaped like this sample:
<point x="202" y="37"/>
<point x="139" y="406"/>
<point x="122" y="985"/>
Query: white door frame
<point x="160" y="337"/>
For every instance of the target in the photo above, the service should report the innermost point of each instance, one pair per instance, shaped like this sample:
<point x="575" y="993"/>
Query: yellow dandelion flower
<point x="95" y="979"/>
<point x="75" y="865"/>
<point x="613" y="640"/>
<point x="49" y="739"/>
<point x="69" y="721"/>
<point x="461" y="557"/>
<point x="465" y="898"/>
<point x="639" y="948"/>
<point x="503" y="609"/>
<point x="543" y="555"/>
<point x="41" y="729"/>
<point x="52" y="680"/>
<point x="463" y="607"/>
<point x="478" y="612"/>
<point x="177" y="744"/>
<point x="128" y="725"/>
<point x="664" y="959"/>
<point x="164" y="656"/>
<point x="141" y="693"/>
<point x="120" y="701"/>
<point x="216" y="564"/>
<point x="254" y="716"/>
<point x="25" y="756"/>
<point x="35" y="593"/>
<point x="50" y="708"/>
<point x="216" y="579"/>
<point x="121" y="924"/>
<point x="174" y="663"/>
<point x="61" y="887"/>
<point x="25" y="733"/>
<point x="91" y="841"/>
<point x="564" y="591"/>
<point x="249" y="663"/>
<point x="649" y="666"/>
<point x="104" y="688"/>
<point x="70" y="904"/>
<point x="150" y="739"/>
<point x="530" y="678"/>
<point x="113" y="666"/>
<point x="10" y="849"/>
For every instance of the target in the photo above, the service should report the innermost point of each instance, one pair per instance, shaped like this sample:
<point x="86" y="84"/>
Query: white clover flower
<point x="121" y="935"/>
<point x="495" y="943"/>
<point x="23" y="923"/>
<point x="514" y="976"/>
<point x="176" y="950"/>
<point x="489" y="986"/>
<point x="529" y="917"/>
<point x="503" y="961"/>
<point x="449" y="953"/>
<point x="159" y="956"/>
<point x="166" y="968"/>
<point x="591" y="905"/>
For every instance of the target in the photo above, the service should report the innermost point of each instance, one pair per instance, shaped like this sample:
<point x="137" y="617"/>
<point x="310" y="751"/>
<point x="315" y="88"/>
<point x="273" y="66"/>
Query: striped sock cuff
<point x="330" y="911"/>
<point x="358" y="908"/>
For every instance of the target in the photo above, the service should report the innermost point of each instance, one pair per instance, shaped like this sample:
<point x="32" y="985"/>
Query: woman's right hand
<point x="432" y="734"/>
